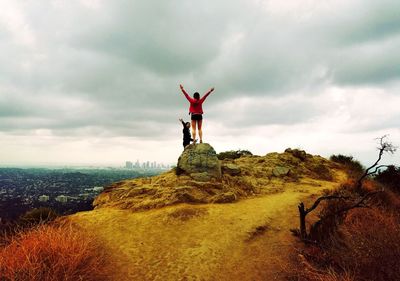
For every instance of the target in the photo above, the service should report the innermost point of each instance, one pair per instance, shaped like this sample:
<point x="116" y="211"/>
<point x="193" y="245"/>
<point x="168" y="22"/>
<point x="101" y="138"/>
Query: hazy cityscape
<point x="146" y="165"/>
<point x="65" y="190"/>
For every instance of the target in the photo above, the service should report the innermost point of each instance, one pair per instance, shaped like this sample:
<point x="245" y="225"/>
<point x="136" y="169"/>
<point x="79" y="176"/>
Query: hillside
<point x="172" y="227"/>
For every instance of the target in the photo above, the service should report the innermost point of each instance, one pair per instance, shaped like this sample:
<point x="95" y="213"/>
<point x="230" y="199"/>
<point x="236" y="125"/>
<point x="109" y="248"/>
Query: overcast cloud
<point x="95" y="81"/>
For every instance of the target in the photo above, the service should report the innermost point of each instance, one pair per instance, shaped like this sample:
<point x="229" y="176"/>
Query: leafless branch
<point x="358" y="204"/>
<point x="322" y="198"/>
<point x="384" y="146"/>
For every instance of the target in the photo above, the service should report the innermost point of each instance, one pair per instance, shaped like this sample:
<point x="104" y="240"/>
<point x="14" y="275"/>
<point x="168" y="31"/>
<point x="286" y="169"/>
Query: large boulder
<point x="200" y="162"/>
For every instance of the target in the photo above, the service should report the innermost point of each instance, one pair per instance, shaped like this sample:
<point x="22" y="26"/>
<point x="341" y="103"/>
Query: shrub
<point x="53" y="252"/>
<point x="367" y="247"/>
<point x="233" y="154"/>
<point x="322" y="230"/>
<point x="371" y="239"/>
<point x="320" y="171"/>
<point x="390" y="177"/>
<point x="387" y="200"/>
<point x="363" y="241"/>
<point x="300" y="154"/>
<point x="37" y="216"/>
<point x="314" y="274"/>
<point x="353" y="166"/>
<point x="332" y="215"/>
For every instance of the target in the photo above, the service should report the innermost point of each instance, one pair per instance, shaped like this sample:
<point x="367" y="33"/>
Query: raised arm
<point x="183" y="123"/>
<point x="186" y="94"/>
<point x="206" y="94"/>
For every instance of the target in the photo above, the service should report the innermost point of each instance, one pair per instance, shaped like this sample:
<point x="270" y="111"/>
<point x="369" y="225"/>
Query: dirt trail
<point x="247" y="240"/>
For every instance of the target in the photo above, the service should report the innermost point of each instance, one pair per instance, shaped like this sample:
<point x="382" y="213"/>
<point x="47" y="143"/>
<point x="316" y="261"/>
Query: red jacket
<point x="196" y="105"/>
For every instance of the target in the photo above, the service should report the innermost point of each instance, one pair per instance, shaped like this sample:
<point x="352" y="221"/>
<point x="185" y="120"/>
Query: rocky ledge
<point x="200" y="177"/>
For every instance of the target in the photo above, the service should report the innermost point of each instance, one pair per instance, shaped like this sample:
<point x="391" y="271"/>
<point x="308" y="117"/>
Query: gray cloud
<point x="369" y="65"/>
<point x="112" y="68"/>
<point x="369" y="21"/>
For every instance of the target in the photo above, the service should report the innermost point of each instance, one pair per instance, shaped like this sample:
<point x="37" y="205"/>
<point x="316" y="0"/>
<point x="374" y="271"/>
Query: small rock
<point x="280" y="171"/>
<point x="231" y="169"/>
<point x="227" y="197"/>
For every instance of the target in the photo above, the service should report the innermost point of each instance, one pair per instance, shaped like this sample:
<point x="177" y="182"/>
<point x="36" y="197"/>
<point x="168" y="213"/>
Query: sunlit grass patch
<point x="53" y="252"/>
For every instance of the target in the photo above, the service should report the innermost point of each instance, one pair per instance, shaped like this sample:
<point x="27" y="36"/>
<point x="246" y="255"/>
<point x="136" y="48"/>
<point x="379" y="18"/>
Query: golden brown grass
<point x="372" y="241"/>
<point x="306" y="267"/>
<point x="364" y="246"/>
<point x="187" y="213"/>
<point x="53" y="252"/>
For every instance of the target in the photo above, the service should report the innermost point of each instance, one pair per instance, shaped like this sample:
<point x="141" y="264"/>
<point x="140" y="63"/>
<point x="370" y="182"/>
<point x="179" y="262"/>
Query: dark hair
<point x="196" y="96"/>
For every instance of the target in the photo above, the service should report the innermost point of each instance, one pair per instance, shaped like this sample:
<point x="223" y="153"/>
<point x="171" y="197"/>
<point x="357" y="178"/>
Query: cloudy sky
<point x="97" y="81"/>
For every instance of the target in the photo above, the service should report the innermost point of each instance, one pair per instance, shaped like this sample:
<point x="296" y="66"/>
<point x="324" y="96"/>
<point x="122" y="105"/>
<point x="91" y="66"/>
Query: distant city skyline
<point x="146" y="165"/>
<point x="92" y="82"/>
<point x="79" y="165"/>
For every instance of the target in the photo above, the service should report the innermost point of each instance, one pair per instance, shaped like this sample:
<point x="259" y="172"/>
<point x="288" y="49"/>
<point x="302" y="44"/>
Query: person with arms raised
<point x="196" y="111"/>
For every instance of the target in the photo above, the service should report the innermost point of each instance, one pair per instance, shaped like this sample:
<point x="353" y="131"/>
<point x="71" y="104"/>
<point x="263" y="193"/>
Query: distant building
<point x="128" y="165"/>
<point x="98" y="188"/>
<point x="44" y="198"/>
<point x="62" y="198"/>
<point x="84" y="196"/>
<point x="137" y="164"/>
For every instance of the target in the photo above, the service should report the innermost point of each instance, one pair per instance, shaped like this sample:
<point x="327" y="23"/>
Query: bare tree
<point x="384" y="146"/>
<point x="303" y="212"/>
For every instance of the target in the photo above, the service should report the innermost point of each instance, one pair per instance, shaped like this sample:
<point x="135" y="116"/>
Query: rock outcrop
<point x="200" y="162"/>
<point x="200" y="177"/>
<point x="300" y="154"/>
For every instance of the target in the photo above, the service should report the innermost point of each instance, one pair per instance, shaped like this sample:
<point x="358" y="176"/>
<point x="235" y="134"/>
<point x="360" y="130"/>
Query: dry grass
<point x="187" y="212"/>
<point x="302" y="269"/>
<point x="365" y="240"/>
<point x="372" y="244"/>
<point x="53" y="252"/>
<point x="387" y="199"/>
